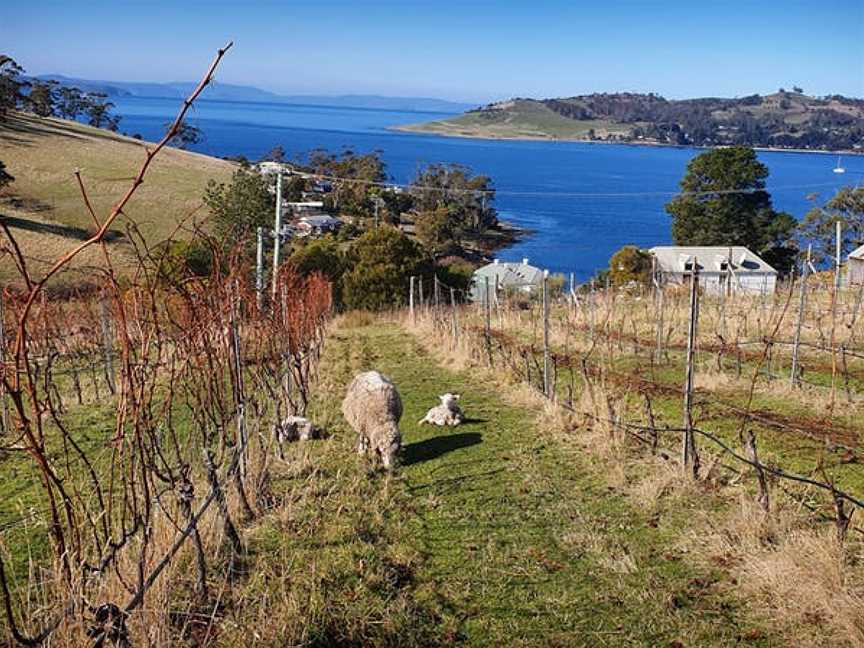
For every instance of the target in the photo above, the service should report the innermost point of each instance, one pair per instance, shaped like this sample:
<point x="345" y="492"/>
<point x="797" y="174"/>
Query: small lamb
<point x="447" y="413"/>
<point x="294" y="428"/>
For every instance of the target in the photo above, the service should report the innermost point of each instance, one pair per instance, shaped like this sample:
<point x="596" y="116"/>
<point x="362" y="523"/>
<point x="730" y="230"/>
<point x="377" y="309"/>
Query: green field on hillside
<point x="43" y="206"/>
<point x="521" y="120"/>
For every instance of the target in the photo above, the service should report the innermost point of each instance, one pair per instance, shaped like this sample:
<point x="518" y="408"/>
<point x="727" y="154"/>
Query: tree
<point x="383" y="261"/>
<point x="724" y="202"/>
<point x="5" y="177"/>
<point x="324" y="256"/>
<point x="436" y="229"/>
<point x="819" y="225"/>
<point x="43" y="97"/>
<point x="11" y="85"/>
<point x="469" y="197"/>
<point x="186" y="135"/>
<point x="240" y="206"/>
<point x="70" y="102"/>
<point x="99" y="112"/>
<point x="355" y="180"/>
<point x="630" y="265"/>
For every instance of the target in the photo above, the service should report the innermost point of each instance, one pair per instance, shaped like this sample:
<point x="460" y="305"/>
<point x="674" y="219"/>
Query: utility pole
<point x="277" y="233"/>
<point x="259" y="270"/>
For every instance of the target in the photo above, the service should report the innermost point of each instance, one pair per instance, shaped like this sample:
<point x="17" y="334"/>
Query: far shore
<point x="418" y="129"/>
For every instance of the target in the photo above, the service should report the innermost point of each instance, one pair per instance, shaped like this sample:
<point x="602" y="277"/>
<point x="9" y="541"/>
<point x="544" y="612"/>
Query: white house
<point x="734" y="269"/>
<point x="855" y="267"/>
<point x="520" y="277"/>
<point x="317" y="225"/>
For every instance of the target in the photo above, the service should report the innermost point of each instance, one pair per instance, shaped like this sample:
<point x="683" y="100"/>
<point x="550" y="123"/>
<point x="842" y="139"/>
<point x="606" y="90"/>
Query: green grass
<point x="521" y="120"/>
<point x="493" y="533"/>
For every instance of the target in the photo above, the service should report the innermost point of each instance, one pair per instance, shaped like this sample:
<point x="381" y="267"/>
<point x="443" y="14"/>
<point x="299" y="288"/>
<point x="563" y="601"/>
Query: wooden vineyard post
<point x="799" y="321"/>
<point x="422" y="300"/>
<point x="411" y="300"/>
<point x="547" y="388"/>
<point x="690" y="459"/>
<point x="453" y="312"/>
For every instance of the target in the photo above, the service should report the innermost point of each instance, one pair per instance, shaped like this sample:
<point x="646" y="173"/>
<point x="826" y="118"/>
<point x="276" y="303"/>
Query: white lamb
<point x="373" y="408"/>
<point x="294" y="428"/>
<point x="447" y="413"/>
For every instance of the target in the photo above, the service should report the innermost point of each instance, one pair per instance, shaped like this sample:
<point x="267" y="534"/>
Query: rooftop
<point x="511" y="274"/>
<point x="679" y="258"/>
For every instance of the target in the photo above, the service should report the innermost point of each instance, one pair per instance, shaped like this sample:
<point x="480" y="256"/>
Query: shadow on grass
<point x="437" y="446"/>
<point x="68" y="231"/>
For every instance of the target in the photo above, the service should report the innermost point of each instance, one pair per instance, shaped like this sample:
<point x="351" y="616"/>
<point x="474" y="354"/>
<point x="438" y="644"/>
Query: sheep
<point x="373" y="408"/>
<point x="294" y="428"/>
<point x="447" y="413"/>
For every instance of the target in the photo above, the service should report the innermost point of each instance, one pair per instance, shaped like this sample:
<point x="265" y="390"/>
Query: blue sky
<point x="474" y="51"/>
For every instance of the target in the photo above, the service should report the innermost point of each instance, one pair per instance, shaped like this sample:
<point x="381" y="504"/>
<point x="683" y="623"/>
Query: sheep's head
<point x="448" y="400"/>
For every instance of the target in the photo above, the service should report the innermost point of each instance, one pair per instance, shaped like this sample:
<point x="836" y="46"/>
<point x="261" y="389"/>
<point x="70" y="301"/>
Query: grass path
<point x="511" y="537"/>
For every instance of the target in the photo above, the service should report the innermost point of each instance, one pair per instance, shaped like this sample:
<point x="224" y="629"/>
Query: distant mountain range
<point x="227" y="92"/>
<point x="785" y="119"/>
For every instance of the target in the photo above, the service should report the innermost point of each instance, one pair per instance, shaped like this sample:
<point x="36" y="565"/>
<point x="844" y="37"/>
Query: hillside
<point x="43" y="206"/>
<point x="217" y="91"/>
<point x="781" y="120"/>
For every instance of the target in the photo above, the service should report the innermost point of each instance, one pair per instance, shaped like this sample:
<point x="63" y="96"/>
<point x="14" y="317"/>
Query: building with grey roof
<point x="505" y="276"/>
<point x="731" y="268"/>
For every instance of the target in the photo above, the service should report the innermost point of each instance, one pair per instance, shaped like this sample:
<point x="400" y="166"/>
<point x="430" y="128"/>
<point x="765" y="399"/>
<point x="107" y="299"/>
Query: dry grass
<point x="43" y="153"/>
<point x="807" y="586"/>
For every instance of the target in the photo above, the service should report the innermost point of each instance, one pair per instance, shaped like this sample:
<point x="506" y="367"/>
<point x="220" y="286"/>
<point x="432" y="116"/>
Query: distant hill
<point x="227" y="92"/>
<point x="780" y="120"/>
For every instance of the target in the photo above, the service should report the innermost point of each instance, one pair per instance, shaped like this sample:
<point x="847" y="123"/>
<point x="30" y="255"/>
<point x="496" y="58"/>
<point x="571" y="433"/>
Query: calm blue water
<point x="583" y="200"/>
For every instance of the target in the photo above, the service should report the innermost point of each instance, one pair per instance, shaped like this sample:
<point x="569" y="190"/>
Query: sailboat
<point x="838" y="168"/>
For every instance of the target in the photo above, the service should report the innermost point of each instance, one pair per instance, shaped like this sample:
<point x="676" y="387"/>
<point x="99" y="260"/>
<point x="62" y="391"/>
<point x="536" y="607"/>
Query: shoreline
<point x="407" y="128"/>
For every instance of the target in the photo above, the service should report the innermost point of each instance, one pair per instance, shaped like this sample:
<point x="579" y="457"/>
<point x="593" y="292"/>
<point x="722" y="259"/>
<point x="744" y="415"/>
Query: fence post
<point x="660" y="306"/>
<point x="259" y="270"/>
<point x="107" y="343"/>
<point x="411" y="300"/>
<point x="5" y="404"/>
<point x="546" y="360"/>
<point x="689" y="457"/>
<point x="453" y="312"/>
<point x="422" y="300"/>
<point x="488" y="323"/>
<point x="799" y="322"/>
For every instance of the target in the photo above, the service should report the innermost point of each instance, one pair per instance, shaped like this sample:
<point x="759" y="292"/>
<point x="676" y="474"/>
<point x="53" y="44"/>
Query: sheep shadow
<point x="437" y="446"/>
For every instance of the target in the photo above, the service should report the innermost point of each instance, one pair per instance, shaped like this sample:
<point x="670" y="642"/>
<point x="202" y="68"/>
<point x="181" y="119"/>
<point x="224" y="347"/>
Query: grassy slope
<point x="48" y="215"/>
<point x="522" y="120"/>
<point x="493" y="533"/>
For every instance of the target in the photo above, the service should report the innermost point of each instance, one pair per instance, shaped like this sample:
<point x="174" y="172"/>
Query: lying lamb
<point x="373" y="408"/>
<point x="447" y="413"/>
<point x="294" y="428"/>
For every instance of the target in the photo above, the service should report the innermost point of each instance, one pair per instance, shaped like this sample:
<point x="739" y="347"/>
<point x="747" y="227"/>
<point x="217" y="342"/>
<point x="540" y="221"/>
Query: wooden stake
<point x="690" y="459"/>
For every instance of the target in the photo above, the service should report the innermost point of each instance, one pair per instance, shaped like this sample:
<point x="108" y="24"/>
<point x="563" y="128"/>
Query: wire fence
<point x="528" y="334"/>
